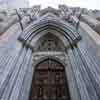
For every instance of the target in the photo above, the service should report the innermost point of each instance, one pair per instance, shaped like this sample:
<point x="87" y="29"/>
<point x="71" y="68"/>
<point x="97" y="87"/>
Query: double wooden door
<point x="49" y="82"/>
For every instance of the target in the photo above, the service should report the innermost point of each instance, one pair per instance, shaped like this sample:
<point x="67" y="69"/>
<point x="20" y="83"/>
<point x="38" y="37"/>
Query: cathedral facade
<point x="50" y="54"/>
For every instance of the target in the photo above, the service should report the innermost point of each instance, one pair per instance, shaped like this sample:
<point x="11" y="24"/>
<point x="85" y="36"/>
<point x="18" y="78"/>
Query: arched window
<point x="49" y="42"/>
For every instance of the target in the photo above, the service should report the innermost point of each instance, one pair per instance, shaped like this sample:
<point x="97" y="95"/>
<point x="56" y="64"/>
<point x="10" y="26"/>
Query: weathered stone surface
<point x="92" y="22"/>
<point x="91" y="32"/>
<point x="20" y="49"/>
<point x="25" y="21"/>
<point x="7" y="22"/>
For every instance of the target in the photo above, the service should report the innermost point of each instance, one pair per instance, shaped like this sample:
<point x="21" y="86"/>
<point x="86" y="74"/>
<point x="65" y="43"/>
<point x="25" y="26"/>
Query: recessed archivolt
<point x="66" y="31"/>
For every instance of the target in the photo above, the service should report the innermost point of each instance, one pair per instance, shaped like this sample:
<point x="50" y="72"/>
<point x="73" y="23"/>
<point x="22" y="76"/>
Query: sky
<point x="90" y="4"/>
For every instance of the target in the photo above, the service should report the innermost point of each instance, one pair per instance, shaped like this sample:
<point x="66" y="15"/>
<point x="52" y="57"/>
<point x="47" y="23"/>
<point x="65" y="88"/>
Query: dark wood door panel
<point x="49" y="82"/>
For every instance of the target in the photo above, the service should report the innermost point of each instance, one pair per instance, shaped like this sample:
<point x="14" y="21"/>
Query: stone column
<point x="80" y="85"/>
<point x="74" y="91"/>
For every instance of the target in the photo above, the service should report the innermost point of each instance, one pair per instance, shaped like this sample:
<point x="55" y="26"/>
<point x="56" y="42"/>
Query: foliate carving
<point x="63" y="8"/>
<point x="35" y="10"/>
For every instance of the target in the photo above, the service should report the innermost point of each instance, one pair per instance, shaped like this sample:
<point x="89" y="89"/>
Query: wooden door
<point x="49" y="82"/>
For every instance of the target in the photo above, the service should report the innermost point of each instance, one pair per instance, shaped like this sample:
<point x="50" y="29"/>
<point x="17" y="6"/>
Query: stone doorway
<point x="49" y="82"/>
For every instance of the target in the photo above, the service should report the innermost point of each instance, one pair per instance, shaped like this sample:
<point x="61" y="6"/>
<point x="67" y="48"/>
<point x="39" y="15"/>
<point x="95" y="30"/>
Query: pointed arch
<point x="49" y="76"/>
<point x="65" y="29"/>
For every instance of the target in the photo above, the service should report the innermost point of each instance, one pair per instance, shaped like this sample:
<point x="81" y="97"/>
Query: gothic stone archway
<point x="49" y="82"/>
